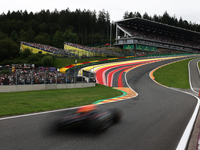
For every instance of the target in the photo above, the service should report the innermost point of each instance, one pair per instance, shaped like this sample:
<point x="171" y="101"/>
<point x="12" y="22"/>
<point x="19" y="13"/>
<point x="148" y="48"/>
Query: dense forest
<point x="84" y="27"/>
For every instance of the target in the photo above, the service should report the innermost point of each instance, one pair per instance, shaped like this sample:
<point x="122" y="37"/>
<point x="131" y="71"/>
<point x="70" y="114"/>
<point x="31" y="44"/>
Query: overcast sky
<point x="187" y="9"/>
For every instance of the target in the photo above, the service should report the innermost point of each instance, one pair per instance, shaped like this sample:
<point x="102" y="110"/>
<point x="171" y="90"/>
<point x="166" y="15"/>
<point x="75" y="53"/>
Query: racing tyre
<point x="117" y="115"/>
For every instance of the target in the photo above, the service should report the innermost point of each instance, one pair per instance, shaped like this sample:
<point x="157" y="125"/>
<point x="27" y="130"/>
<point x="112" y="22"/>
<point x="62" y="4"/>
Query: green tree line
<point x="27" y="57"/>
<point x="53" y="28"/>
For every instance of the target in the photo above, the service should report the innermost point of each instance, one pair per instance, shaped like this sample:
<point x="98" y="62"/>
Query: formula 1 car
<point x="89" y="117"/>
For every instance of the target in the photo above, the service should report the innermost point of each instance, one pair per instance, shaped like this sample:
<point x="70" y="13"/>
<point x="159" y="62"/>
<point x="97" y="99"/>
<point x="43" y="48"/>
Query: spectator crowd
<point x="22" y="77"/>
<point x="55" y="51"/>
<point x="93" y="49"/>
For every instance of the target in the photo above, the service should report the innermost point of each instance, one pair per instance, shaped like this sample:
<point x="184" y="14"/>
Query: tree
<point x="138" y="15"/>
<point x="43" y="28"/>
<point x="25" y="16"/>
<point x="131" y="15"/>
<point x="155" y="18"/>
<point x="146" y="16"/>
<point x="166" y="18"/>
<point x="70" y="37"/>
<point x="126" y="15"/>
<point x="108" y="24"/>
<point x="14" y="36"/>
<point x="26" y="53"/>
<point x="93" y="24"/>
<point x="102" y="23"/>
<point x="43" y="38"/>
<point x="34" y="59"/>
<point x="5" y="26"/>
<point x="8" y="49"/>
<point x="181" y="23"/>
<point x="28" y="36"/>
<point x="47" y="61"/>
<point x="58" y="39"/>
<point x="30" y="27"/>
<point x="3" y="35"/>
<point x="33" y="25"/>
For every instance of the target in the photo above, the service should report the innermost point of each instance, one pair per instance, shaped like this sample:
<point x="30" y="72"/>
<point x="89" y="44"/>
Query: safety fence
<point x="31" y="77"/>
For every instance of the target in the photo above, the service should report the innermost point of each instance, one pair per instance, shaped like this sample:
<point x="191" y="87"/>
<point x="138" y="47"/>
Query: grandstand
<point x="44" y="49"/>
<point x="85" y="51"/>
<point x="35" y="48"/>
<point x="70" y="50"/>
<point x="77" y="50"/>
<point x="142" y="36"/>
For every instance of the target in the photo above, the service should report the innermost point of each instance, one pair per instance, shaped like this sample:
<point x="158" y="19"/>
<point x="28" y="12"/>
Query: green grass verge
<point x="35" y="101"/>
<point x="174" y="75"/>
<point x="199" y="65"/>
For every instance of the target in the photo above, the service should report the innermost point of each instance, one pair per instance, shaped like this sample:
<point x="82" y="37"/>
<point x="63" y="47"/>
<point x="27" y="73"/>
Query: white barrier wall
<point x="35" y="87"/>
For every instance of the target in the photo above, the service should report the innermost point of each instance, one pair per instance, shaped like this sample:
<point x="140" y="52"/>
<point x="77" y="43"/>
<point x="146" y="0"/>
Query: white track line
<point x="190" y="76"/>
<point x="127" y="82"/>
<point x="39" y="113"/>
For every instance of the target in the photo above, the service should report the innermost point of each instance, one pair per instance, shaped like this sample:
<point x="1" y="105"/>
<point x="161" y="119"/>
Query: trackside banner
<point x="146" y="48"/>
<point x="128" y="47"/>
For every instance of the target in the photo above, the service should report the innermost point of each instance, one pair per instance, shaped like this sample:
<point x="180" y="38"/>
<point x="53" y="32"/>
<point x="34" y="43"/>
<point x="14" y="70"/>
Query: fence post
<point x="66" y="76"/>
<point x="16" y="76"/>
<point x="45" y="77"/>
<point x="56" y="76"/>
<point x="31" y="77"/>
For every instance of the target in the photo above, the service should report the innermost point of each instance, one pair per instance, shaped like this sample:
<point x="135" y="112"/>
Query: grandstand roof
<point x="153" y="24"/>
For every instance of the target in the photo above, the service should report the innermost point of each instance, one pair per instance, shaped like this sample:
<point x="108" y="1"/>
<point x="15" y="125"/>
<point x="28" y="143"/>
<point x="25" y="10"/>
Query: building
<point x="141" y="36"/>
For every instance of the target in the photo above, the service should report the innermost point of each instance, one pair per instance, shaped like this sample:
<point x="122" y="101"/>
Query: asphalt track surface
<point x="154" y="120"/>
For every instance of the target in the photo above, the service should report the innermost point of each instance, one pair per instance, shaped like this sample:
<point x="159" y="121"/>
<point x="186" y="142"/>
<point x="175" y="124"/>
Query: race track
<point x="154" y="120"/>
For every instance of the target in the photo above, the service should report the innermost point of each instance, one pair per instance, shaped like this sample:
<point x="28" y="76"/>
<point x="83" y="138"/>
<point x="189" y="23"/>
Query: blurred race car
<point x="89" y="117"/>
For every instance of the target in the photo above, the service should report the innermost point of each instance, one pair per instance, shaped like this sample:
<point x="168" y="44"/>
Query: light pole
<point x="75" y="74"/>
<point x="110" y="33"/>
